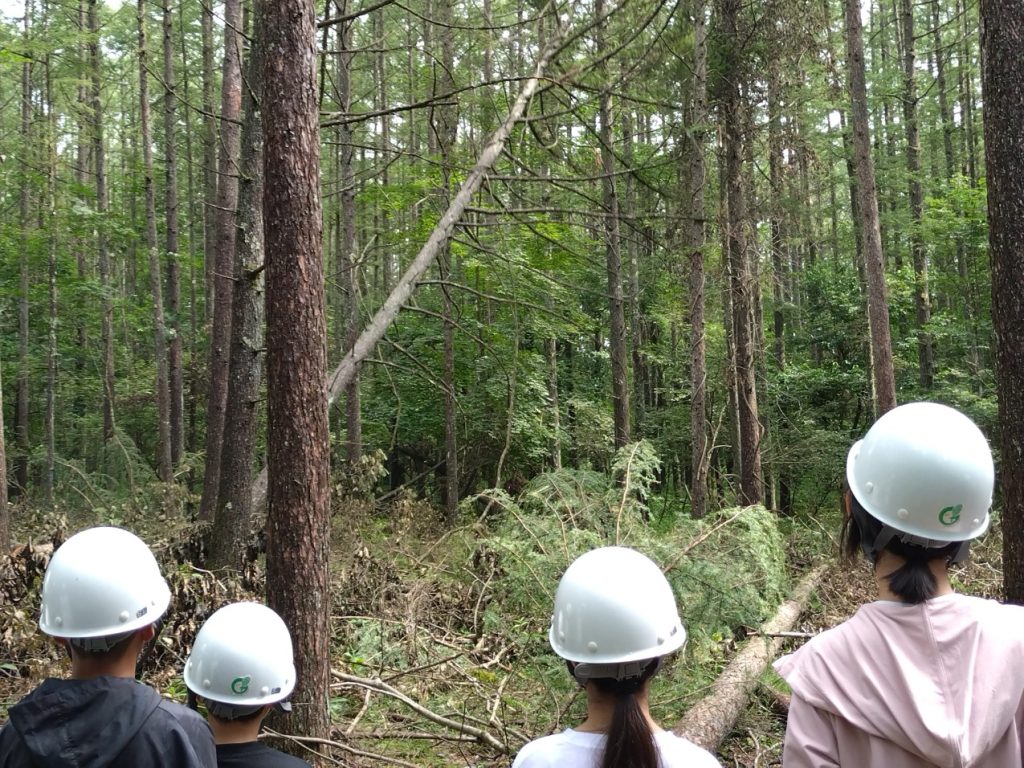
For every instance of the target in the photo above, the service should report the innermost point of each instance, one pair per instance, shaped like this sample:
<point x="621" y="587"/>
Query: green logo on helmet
<point x="240" y="684"/>
<point x="950" y="515"/>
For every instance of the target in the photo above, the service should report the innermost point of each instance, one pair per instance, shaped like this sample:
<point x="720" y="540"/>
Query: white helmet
<point x="925" y="470"/>
<point x="614" y="606"/>
<point x="100" y="583"/>
<point x="242" y="657"/>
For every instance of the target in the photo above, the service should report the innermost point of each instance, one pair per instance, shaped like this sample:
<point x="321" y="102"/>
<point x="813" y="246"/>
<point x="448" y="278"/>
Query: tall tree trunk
<point x="298" y="520"/>
<point x="444" y="127"/>
<point x="941" y="87"/>
<point x="637" y="322"/>
<point x="751" y="490"/>
<point x="1002" y="29"/>
<point x="174" y="344"/>
<point x="922" y="301"/>
<point x="232" y="524"/>
<point x="209" y="160"/>
<point x="613" y="256"/>
<point x="52" y="320"/>
<point x="100" y="169"/>
<point x="23" y="448"/>
<point x="883" y="378"/>
<point x="696" y="240"/>
<point x="225" y="223"/>
<point x="161" y="387"/>
<point x="778" y="235"/>
<point x="194" y="221"/>
<point x="967" y="93"/>
<point x="347" y="267"/>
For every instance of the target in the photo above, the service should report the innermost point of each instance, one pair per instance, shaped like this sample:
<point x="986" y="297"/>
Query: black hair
<point x="913" y="582"/>
<point x="113" y="654"/>
<point x="630" y="743"/>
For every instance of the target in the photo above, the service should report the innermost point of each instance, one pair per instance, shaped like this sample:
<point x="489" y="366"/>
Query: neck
<point x="601" y="710"/>
<point x="236" y="731"/>
<point x="888" y="562"/>
<point x="86" y="667"/>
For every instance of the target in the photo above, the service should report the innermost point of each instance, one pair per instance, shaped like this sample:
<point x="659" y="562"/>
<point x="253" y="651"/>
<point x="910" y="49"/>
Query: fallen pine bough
<point x="709" y="721"/>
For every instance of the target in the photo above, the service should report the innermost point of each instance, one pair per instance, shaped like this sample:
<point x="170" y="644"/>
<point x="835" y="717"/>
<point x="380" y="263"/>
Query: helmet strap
<point x="584" y="671"/>
<point x="99" y="644"/>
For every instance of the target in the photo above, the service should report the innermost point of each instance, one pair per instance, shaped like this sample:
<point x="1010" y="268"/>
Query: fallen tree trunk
<point x="442" y="233"/>
<point x="709" y="721"/>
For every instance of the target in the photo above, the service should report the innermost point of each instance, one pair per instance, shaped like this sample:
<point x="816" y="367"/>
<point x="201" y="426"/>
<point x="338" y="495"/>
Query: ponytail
<point x="913" y="582"/>
<point x="630" y="743"/>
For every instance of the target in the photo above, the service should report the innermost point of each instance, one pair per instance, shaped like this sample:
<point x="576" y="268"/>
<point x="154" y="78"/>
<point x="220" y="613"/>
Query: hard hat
<point x="242" y="657"/>
<point x="614" y="606"/>
<point x="101" y="582"/>
<point x="924" y="469"/>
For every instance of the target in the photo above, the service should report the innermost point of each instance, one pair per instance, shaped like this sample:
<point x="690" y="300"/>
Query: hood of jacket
<point x="942" y="679"/>
<point x="82" y="723"/>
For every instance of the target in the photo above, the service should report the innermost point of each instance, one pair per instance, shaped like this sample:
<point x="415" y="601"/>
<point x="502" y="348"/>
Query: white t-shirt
<point x="576" y="749"/>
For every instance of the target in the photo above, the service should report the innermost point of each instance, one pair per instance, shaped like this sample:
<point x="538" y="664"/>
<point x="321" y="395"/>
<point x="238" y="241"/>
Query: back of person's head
<point x="921" y="484"/>
<point x="101" y="586"/>
<point x="615" y="616"/>
<point x="241" y="662"/>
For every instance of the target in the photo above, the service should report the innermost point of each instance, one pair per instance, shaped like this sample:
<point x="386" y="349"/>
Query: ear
<point x="147" y="633"/>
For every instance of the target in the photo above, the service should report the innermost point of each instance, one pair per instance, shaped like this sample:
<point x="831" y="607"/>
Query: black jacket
<point x="105" y="722"/>
<point x="254" y="754"/>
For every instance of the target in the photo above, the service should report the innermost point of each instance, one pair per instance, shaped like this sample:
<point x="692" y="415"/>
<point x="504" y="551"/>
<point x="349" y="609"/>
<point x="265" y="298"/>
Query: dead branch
<point x="709" y="721"/>
<point x="382" y="687"/>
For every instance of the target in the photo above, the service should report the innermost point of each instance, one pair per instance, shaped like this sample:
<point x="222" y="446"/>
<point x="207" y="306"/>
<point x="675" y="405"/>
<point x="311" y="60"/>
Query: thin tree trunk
<point x="883" y="378"/>
<point x="967" y="93"/>
<point x="940" y="86"/>
<point x="696" y="241"/>
<point x="194" y="220"/>
<point x="100" y="163"/>
<point x="23" y="448"/>
<point x="922" y="301"/>
<point x="232" y="524"/>
<point x="347" y="267"/>
<point x="161" y="387"/>
<point x="1002" y="29"/>
<point x="637" y="322"/>
<point x="751" y="491"/>
<point x="174" y="345"/>
<point x="225" y="216"/>
<point x="613" y="256"/>
<point x="51" y="335"/>
<point x="778" y="235"/>
<point x="209" y="161"/>
<point x="298" y="520"/>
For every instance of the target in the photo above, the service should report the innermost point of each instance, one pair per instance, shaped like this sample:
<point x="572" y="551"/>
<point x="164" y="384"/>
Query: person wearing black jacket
<point x="241" y="667"/>
<point x="102" y="593"/>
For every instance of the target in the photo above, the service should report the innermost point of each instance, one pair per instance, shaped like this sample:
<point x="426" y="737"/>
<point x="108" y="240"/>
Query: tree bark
<point x="709" y="721"/>
<point x="298" y="519"/>
<point x="209" y="160"/>
<point x="174" y="342"/>
<point x="922" y="301"/>
<point x="100" y="163"/>
<point x="751" y="487"/>
<point x="5" y="512"/>
<point x="225" y="223"/>
<point x="1002" y="29"/>
<point x="161" y="388"/>
<point x="883" y="378"/>
<point x="232" y="524"/>
<point x="49" y="474"/>
<point x="21" y="412"/>
<point x="696" y="241"/>
<point x="613" y="255"/>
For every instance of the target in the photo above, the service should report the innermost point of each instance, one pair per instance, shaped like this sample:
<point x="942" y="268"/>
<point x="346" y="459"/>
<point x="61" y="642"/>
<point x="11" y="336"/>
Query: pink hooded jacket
<point x="909" y="686"/>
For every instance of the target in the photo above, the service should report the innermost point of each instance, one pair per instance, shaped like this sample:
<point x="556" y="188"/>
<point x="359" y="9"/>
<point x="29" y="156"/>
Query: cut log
<point x="709" y="721"/>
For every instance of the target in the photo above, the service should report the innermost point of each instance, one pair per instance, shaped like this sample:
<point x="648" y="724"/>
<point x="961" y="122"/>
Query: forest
<point x="385" y="310"/>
